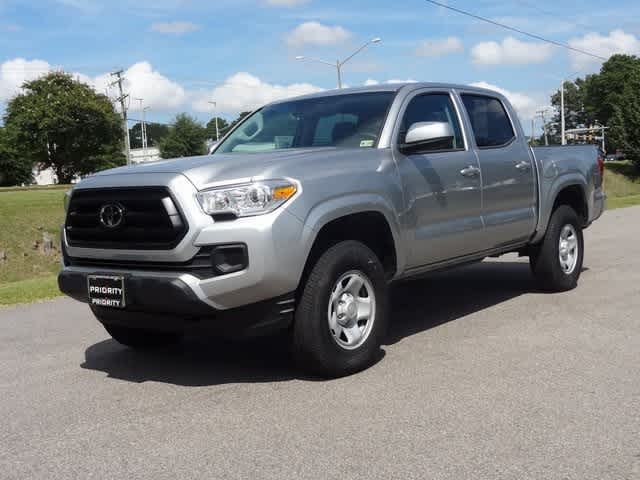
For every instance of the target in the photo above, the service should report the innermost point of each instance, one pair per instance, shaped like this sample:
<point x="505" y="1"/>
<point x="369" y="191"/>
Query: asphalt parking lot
<point x="482" y="377"/>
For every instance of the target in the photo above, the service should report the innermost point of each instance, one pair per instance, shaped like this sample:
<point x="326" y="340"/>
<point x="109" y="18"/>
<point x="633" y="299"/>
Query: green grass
<point x="621" y="184"/>
<point x="26" y="216"/>
<point x="26" y="291"/>
<point x="621" y="202"/>
<point x="36" y="187"/>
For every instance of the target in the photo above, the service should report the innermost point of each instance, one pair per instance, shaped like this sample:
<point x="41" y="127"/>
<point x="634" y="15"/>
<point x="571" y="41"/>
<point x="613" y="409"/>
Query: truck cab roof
<point x="392" y="87"/>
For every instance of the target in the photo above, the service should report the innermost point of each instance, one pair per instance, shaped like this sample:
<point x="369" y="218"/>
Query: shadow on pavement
<point x="416" y="306"/>
<point x="419" y="305"/>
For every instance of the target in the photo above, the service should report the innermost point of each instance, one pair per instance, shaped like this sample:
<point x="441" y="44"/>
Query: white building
<point x="140" y="155"/>
<point x="46" y="176"/>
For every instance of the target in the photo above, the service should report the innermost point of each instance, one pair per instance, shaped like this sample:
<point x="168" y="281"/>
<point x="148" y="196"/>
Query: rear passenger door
<point x="441" y="184"/>
<point x="508" y="191"/>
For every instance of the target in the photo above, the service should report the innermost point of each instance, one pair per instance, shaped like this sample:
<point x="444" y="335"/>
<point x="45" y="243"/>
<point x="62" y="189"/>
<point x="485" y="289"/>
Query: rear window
<point x="489" y="120"/>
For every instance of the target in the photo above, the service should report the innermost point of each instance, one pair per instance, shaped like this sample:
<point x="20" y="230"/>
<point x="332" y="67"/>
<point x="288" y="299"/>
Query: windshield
<point x="346" y="121"/>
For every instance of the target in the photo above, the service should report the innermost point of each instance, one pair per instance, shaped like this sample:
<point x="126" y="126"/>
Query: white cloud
<point x="285" y="3"/>
<point x="399" y="80"/>
<point x="525" y="105"/>
<point x="241" y="91"/>
<point x="372" y="81"/>
<point x="13" y="73"/>
<point x="439" y="47"/>
<point x="244" y="91"/>
<point x="604" y="46"/>
<point x="142" y="81"/>
<point x="174" y="28"/>
<point x="315" y="33"/>
<point x="510" y="52"/>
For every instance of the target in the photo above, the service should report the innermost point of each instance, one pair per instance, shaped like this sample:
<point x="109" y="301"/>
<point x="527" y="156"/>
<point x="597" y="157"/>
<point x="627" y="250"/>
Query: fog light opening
<point x="227" y="259"/>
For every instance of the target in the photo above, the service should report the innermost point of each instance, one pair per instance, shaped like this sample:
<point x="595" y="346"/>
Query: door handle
<point x="523" y="166"/>
<point x="470" y="171"/>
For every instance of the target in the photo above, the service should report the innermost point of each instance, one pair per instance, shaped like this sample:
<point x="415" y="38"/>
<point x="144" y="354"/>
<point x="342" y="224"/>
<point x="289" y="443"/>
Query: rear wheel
<point x="341" y="317"/>
<point x="557" y="261"/>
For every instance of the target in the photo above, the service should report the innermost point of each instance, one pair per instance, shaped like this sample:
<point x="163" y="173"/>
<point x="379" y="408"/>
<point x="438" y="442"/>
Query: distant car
<point x="612" y="157"/>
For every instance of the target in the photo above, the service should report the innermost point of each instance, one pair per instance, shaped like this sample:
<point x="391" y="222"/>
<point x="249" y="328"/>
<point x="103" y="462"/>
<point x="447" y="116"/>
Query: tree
<point x="64" y="124"/>
<point x="574" y="109"/>
<point x="595" y="99"/>
<point x="605" y="90"/>
<point x="185" y="138"/>
<point x="211" y="127"/>
<point x="14" y="168"/>
<point x="624" y="127"/>
<point x="237" y="120"/>
<point x="155" y="133"/>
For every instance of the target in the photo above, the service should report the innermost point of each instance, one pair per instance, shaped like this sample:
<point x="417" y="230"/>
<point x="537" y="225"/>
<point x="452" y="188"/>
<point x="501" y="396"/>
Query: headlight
<point x="247" y="199"/>
<point x="67" y="199"/>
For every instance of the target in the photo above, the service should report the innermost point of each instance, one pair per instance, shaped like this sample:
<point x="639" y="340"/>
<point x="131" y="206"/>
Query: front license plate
<point x="106" y="290"/>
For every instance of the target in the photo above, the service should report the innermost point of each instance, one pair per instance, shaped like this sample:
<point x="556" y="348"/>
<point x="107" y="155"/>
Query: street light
<point x="339" y="63"/>
<point x="216" y="120"/>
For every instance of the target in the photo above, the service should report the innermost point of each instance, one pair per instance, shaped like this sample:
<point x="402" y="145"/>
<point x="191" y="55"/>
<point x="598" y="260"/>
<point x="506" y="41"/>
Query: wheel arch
<point x="366" y="218"/>
<point x="566" y="190"/>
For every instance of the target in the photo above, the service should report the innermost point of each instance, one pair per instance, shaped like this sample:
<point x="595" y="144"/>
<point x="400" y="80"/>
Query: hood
<point x="205" y="170"/>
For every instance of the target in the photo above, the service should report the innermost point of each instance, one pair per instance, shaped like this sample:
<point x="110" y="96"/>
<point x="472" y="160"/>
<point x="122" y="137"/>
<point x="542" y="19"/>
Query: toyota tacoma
<point x="308" y="209"/>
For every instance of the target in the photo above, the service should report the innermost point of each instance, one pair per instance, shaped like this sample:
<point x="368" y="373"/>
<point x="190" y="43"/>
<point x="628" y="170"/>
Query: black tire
<point x="544" y="258"/>
<point x="314" y="347"/>
<point x="139" y="338"/>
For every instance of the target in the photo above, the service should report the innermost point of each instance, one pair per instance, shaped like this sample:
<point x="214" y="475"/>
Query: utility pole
<point x="145" y="138"/>
<point x="532" y="131"/>
<point x="602" y="129"/>
<point x="563" y="140"/>
<point x="216" y="120"/>
<point x="143" y="126"/>
<point x="544" y="127"/>
<point x="123" y="106"/>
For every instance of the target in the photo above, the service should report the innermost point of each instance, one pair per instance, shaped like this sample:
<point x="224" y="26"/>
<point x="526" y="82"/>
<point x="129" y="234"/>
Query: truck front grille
<point x="199" y="266"/>
<point x="141" y="218"/>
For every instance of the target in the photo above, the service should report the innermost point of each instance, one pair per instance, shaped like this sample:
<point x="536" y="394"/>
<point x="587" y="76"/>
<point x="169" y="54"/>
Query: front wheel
<point x="341" y="317"/>
<point x="557" y="262"/>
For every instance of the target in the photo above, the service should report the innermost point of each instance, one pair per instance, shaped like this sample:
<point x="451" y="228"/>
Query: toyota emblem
<point x="111" y="215"/>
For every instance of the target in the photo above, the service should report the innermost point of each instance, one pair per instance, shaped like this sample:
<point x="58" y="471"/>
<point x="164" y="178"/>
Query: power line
<point x="517" y="30"/>
<point x="554" y="15"/>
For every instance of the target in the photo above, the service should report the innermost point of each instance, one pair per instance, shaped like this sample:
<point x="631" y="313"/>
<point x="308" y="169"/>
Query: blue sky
<point x="180" y="54"/>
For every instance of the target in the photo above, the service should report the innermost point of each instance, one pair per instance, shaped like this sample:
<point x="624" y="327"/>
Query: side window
<point x="489" y="120"/>
<point x="433" y="107"/>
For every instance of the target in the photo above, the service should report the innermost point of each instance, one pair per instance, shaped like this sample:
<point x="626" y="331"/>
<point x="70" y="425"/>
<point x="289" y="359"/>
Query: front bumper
<point x="166" y="302"/>
<point x="276" y="243"/>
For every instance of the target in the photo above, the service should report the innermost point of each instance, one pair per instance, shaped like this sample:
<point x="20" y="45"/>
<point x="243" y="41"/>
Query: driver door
<point x="442" y="184"/>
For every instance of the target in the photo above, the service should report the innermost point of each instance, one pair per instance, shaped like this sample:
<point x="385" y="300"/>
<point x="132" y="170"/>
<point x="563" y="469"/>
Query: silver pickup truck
<point x="308" y="210"/>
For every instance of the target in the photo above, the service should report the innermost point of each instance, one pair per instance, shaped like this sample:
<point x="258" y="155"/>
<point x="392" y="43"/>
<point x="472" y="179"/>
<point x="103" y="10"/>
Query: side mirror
<point x="428" y="136"/>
